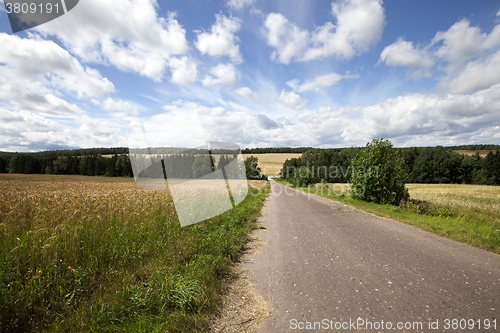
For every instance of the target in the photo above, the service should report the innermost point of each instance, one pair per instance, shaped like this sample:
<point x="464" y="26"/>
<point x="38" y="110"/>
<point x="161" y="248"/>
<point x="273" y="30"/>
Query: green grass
<point x="480" y="227"/>
<point x="111" y="257"/>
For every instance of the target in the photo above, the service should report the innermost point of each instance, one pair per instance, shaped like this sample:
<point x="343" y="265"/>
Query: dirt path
<point x="243" y="309"/>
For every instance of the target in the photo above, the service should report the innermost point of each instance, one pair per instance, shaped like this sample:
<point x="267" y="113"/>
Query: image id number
<point x="31" y="8"/>
<point x="454" y="324"/>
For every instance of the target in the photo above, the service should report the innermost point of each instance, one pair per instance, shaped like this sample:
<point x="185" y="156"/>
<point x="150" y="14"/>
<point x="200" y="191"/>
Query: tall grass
<point x="104" y="256"/>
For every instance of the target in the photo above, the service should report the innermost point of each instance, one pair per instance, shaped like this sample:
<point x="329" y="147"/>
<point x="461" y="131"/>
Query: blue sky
<point x="255" y="73"/>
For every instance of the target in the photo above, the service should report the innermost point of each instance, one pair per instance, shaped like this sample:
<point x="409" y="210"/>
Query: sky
<point x="292" y="73"/>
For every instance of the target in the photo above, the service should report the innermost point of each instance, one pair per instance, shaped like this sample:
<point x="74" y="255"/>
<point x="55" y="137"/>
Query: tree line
<point x="421" y="164"/>
<point x="432" y="165"/>
<point x="91" y="165"/>
<point x="184" y="166"/>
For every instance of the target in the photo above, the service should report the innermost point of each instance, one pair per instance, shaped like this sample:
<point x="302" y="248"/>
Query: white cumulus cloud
<point x="288" y="39"/>
<point x="248" y="93"/>
<point x="184" y="71"/>
<point x="221" y="40"/>
<point x="37" y="72"/>
<point x="403" y="53"/>
<point x="475" y="76"/>
<point x="124" y="107"/>
<point x="222" y="74"/>
<point x="127" y="34"/>
<point x="292" y="100"/>
<point x="462" y="42"/>
<point x="359" y="25"/>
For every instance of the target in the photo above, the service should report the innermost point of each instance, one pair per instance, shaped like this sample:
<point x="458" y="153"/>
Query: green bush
<point x="378" y="174"/>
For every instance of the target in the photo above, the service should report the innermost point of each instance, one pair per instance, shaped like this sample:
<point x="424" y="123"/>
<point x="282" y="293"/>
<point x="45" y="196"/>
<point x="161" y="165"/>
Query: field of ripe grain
<point x="95" y="253"/>
<point x="271" y="164"/>
<point x="482" y="153"/>
<point x="475" y="201"/>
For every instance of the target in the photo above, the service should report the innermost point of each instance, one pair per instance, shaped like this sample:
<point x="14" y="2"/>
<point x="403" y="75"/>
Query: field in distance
<point x="271" y="164"/>
<point x="482" y="153"/>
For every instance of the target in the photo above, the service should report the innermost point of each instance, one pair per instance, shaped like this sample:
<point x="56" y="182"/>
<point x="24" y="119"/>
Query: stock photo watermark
<point x="26" y="14"/>
<point x="381" y="325"/>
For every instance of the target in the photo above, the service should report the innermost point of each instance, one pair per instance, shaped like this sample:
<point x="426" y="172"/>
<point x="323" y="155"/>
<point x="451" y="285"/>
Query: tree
<point x="60" y="166"/>
<point x="379" y="174"/>
<point x="251" y="168"/>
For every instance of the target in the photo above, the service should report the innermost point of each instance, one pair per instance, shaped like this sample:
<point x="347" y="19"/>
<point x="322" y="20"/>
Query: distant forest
<point x="423" y="164"/>
<point x="428" y="165"/>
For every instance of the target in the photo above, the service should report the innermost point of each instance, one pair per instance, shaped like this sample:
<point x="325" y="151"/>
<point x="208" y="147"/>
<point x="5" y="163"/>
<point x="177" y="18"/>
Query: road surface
<point x="327" y="267"/>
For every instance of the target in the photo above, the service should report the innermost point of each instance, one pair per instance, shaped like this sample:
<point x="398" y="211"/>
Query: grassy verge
<point x="478" y="225"/>
<point x="79" y="256"/>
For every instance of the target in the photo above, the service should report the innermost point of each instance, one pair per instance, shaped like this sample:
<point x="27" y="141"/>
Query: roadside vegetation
<point x="101" y="254"/>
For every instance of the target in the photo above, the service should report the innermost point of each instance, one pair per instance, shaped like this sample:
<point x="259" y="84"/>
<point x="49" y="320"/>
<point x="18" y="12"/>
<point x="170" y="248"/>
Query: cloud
<point x="403" y="53"/>
<point x="221" y="41"/>
<point x="292" y="100"/>
<point x="248" y="93"/>
<point x="359" y="25"/>
<point x="36" y="72"/>
<point x="265" y="122"/>
<point x="459" y="51"/>
<point x="127" y="34"/>
<point x="222" y="75"/>
<point x="462" y="42"/>
<point x="288" y="39"/>
<point x="50" y="65"/>
<point x="432" y="118"/>
<point x="413" y="119"/>
<point x="184" y="72"/>
<point x="28" y="131"/>
<point x="240" y="4"/>
<point x="124" y="107"/>
<point x="319" y="82"/>
<point x="475" y="76"/>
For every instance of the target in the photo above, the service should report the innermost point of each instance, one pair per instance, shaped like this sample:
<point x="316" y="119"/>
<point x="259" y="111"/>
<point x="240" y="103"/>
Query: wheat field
<point x="271" y="164"/>
<point x="81" y="253"/>
<point x="482" y="201"/>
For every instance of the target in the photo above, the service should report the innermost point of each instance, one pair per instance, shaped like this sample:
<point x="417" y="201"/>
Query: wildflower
<point x="39" y="272"/>
<point x="69" y="267"/>
<point x="133" y="275"/>
<point x="151" y="289"/>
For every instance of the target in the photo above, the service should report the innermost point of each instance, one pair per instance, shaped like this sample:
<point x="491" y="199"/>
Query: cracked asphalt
<point x="326" y="265"/>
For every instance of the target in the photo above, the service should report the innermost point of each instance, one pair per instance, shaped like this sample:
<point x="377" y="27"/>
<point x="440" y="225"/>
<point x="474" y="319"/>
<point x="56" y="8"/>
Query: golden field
<point x="480" y="200"/>
<point x="96" y="253"/>
<point x="271" y="164"/>
<point x="482" y="153"/>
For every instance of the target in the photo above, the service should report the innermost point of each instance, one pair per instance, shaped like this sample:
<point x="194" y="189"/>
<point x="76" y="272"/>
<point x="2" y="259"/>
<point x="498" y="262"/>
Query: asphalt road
<point x="327" y="267"/>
